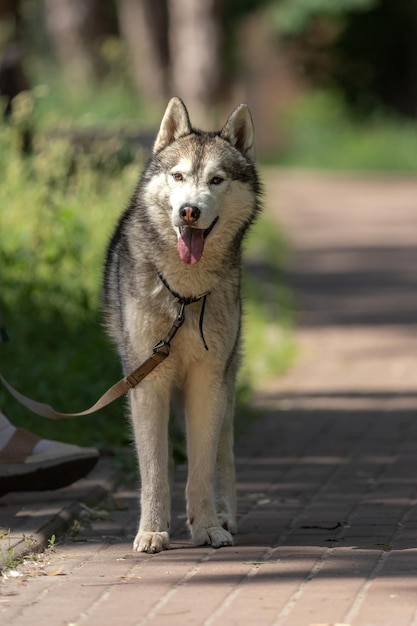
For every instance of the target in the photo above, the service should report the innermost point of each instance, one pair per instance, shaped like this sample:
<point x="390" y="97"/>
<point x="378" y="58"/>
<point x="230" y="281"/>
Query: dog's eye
<point x="178" y="177"/>
<point x="216" y="180"/>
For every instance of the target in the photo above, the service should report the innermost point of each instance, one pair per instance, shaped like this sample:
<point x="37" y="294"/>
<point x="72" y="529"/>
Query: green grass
<point x="267" y="303"/>
<point x="322" y="134"/>
<point x="59" y="207"/>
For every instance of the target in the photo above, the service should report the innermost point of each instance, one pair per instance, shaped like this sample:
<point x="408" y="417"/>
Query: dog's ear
<point x="175" y="124"/>
<point x="239" y="131"/>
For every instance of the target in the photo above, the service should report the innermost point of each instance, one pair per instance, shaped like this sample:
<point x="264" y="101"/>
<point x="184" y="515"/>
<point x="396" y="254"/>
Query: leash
<point x="160" y="351"/>
<point x="190" y="300"/>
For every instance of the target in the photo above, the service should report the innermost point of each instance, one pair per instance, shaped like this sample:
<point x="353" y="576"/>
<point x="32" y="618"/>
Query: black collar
<point x="177" y="296"/>
<point x="190" y="300"/>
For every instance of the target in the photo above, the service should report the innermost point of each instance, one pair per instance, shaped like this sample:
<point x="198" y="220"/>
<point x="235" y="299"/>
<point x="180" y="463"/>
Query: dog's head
<point x="203" y="183"/>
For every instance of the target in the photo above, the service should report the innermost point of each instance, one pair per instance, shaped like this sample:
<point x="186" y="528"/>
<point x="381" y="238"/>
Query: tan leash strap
<point x="160" y="352"/>
<point x="117" y="390"/>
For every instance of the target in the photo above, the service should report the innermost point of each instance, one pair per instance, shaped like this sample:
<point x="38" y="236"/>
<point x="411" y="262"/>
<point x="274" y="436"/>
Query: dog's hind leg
<point x="150" y="414"/>
<point x="205" y="402"/>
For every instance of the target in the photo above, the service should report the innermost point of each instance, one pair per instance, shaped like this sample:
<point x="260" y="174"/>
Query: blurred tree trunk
<point x="13" y="80"/>
<point x="12" y="76"/>
<point x="76" y="27"/>
<point x="144" y="26"/>
<point x="195" y="47"/>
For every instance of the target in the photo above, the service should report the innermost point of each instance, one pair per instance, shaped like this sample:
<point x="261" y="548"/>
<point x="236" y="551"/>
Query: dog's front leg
<point x="225" y="473"/>
<point x="150" y="414"/>
<point x="206" y="403"/>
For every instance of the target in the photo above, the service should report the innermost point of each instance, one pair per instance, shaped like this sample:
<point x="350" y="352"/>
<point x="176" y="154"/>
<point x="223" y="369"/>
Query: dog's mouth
<point x="191" y="242"/>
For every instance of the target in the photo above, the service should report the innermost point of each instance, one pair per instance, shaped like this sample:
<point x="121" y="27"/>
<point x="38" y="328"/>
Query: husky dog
<point x="179" y="243"/>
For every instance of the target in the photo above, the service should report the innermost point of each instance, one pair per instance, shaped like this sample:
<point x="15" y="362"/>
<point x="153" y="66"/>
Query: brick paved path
<point x="326" y="478"/>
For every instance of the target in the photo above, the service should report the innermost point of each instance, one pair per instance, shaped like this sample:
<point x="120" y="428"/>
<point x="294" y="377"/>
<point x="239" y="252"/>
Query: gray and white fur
<point x="182" y="234"/>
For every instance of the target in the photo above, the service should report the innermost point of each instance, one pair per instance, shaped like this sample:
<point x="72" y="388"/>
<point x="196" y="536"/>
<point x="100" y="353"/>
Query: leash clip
<point x="181" y="315"/>
<point x="164" y="344"/>
<point x="161" y="346"/>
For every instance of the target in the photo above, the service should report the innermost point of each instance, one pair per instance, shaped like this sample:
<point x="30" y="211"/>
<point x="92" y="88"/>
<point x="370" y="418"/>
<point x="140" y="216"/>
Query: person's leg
<point x="28" y="462"/>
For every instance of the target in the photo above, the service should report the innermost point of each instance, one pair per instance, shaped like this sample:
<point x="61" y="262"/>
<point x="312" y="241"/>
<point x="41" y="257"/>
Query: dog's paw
<point x="214" y="536"/>
<point x="151" y="542"/>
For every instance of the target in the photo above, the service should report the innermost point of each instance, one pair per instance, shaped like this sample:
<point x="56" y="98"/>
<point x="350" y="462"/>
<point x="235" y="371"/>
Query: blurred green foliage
<point x="362" y="49"/>
<point x="113" y="102"/>
<point x="269" y="345"/>
<point x="293" y="16"/>
<point x="324" y="134"/>
<point x="59" y="207"/>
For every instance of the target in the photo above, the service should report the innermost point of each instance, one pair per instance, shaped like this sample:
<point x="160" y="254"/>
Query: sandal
<point x="58" y="466"/>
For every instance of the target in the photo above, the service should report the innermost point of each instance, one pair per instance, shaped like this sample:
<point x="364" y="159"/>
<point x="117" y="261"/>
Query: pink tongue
<point x="191" y="244"/>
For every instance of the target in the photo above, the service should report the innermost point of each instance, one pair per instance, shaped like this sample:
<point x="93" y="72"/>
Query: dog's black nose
<point x="189" y="214"/>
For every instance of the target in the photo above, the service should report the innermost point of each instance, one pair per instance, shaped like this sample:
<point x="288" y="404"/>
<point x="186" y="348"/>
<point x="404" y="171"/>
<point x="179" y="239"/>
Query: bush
<point x="59" y="209"/>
